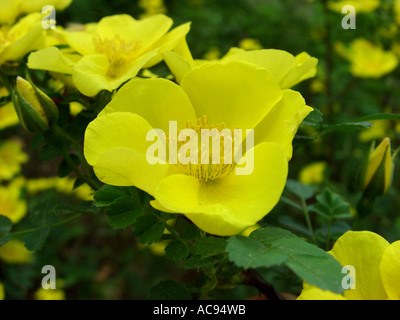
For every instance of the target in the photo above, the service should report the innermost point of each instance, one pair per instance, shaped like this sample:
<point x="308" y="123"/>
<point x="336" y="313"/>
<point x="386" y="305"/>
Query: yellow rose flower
<point x="360" y="5"/>
<point x="11" y="204"/>
<point x="368" y="60"/>
<point x="288" y="70"/>
<point x="376" y="263"/>
<point x="216" y="95"/>
<point x="2" y="295"/>
<point x="14" y="252"/>
<point x="18" y="40"/>
<point x="112" y="51"/>
<point x="11" y="159"/>
<point x="313" y="173"/>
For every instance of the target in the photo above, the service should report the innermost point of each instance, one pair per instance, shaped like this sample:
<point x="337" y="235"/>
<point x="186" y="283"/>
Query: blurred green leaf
<point x="5" y="227"/>
<point x="301" y="190"/>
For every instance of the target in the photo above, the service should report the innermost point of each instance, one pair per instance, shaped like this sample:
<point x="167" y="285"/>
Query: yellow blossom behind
<point x="14" y="252"/>
<point x="11" y="159"/>
<point x="313" y="173"/>
<point x="11" y="204"/>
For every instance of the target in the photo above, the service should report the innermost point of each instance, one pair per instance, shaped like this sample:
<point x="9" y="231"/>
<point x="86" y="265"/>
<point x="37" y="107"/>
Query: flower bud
<point x="378" y="172"/>
<point x="36" y="111"/>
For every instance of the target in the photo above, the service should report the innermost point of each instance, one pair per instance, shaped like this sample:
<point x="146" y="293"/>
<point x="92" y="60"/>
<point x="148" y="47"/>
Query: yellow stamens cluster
<point x="117" y="50"/>
<point x="208" y="167"/>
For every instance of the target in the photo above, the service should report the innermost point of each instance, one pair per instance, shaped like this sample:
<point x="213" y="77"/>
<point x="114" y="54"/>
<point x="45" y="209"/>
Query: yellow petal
<point x="168" y="42"/>
<point x="306" y="68"/>
<point x="169" y="104"/>
<point x="390" y="270"/>
<point x="318" y="294"/>
<point x="178" y="65"/>
<point x="235" y="93"/>
<point x="229" y="205"/>
<point x="116" y="146"/>
<point x="50" y="59"/>
<point x="281" y="123"/>
<point x="363" y="250"/>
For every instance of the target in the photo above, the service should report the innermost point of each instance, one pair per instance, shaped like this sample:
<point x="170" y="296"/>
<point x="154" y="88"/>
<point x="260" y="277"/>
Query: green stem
<point x="308" y="220"/>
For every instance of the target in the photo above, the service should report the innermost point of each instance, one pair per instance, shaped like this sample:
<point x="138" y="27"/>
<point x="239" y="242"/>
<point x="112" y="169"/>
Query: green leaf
<point x="197" y="262"/>
<point x="346" y="127"/>
<point x="191" y="232"/>
<point x="123" y="212"/>
<point x="210" y="246"/>
<point x="331" y="206"/>
<point x="314" y="118"/>
<point x="69" y="210"/>
<point x="267" y="247"/>
<point x="301" y="190"/>
<point x="250" y="253"/>
<point x="177" y="250"/>
<point x="107" y="195"/>
<point x="148" y="229"/>
<point x="5" y="228"/>
<point x="169" y="290"/>
<point x="35" y="240"/>
<point x="380" y="116"/>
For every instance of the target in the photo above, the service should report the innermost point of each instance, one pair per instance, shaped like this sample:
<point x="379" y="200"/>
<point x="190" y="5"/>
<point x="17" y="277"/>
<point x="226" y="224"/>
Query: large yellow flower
<point x="18" y="40"/>
<point x="11" y="204"/>
<point x="14" y="252"/>
<point x="11" y="159"/>
<point x="368" y="60"/>
<point x="376" y="264"/>
<point x="288" y="70"/>
<point x="112" y="51"/>
<point x="216" y="95"/>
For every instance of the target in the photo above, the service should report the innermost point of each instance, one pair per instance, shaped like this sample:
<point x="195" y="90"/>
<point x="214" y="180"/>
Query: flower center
<point x="118" y="51"/>
<point x="210" y="150"/>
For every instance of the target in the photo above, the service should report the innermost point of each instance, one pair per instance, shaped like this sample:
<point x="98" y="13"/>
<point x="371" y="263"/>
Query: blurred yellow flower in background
<point x="112" y="51"/>
<point x="14" y="252"/>
<point x="8" y="116"/>
<point x="397" y="10"/>
<point x="152" y="7"/>
<point x="368" y="60"/>
<point x="51" y="294"/>
<point x="377" y="268"/>
<point x="360" y="5"/>
<point x="2" y="295"/>
<point x="11" y="159"/>
<point x="379" y="130"/>
<point x="250" y="44"/>
<point x="212" y="54"/>
<point x="62" y="185"/>
<point x="11" y="204"/>
<point x="313" y="173"/>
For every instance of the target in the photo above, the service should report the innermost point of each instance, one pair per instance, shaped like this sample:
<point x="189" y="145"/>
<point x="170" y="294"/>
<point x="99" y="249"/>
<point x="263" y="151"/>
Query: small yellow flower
<point x="11" y="159"/>
<point x="11" y="204"/>
<point x="250" y="44"/>
<point x="368" y="60"/>
<point x="109" y="53"/>
<point x="379" y="130"/>
<point x="313" y="173"/>
<point x="215" y="95"/>
<point x="14" y="252"/>
<point x="360" y="5"/>
<point x="213" y="54"/>
<point x="376" y="264"/>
